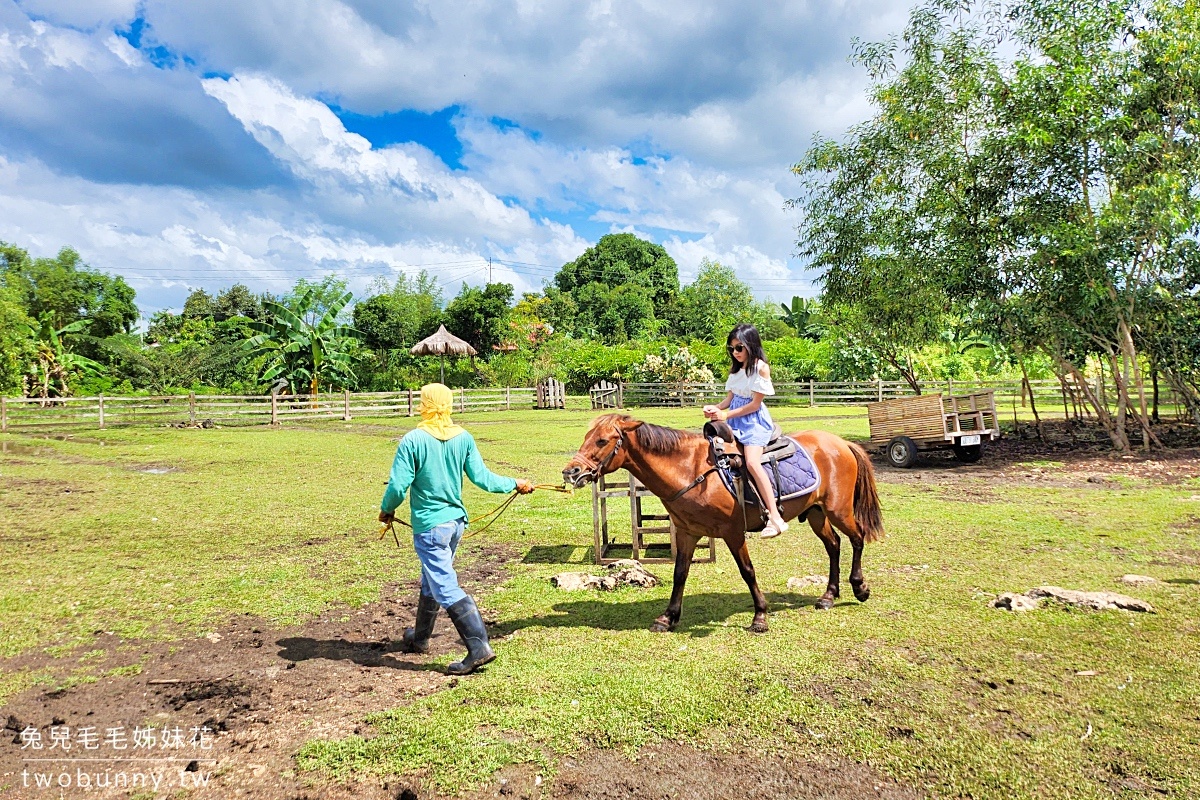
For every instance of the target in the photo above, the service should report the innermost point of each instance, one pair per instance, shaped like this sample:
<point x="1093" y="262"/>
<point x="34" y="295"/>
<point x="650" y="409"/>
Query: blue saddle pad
<point x="791" y="477"/>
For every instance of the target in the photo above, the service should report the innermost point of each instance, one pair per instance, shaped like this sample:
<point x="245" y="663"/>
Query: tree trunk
<point x="1131" y="356"/>
<point x="907" y="372"/>
<point x="1119" y="440"/>
<point x="1026" y="386"/>
<point x="1154" y="381"/>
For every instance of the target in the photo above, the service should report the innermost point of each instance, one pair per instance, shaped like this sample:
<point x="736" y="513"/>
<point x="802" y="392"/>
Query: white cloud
<point x="675" y="120"/>
<point x="730" y="84"/>
<point x="86" y="14"/>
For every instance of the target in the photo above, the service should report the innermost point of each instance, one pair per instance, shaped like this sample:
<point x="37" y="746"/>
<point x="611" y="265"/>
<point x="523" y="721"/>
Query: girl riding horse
<point x="674" y="466"/>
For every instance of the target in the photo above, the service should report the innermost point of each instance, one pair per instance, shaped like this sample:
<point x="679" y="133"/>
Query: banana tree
<point x="802" y="317"/>
<point x="53" y="362"/>
<point x="303" y="352"/>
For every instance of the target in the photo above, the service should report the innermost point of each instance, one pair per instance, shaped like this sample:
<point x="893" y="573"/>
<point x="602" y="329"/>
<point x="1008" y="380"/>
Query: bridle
<point x="596" y="468"/>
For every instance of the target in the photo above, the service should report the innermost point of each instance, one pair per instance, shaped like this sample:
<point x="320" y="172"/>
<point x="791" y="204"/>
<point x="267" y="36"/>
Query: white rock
<point x="1010" y="601"/>
<point x="1099" y="601"/>
<point x="1138" y="580"/>
<point x="806" y="581"/>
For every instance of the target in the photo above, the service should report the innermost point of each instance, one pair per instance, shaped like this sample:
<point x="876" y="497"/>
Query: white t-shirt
<point x="744" y="385"/>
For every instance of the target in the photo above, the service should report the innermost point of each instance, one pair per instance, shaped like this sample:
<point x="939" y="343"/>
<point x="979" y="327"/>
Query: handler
<point x="431" y="461"/>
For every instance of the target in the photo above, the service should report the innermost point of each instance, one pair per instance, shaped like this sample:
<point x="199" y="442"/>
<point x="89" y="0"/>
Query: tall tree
<point x="67" y="288"/>
<point x="480" y="316"/>
<point x="397" y="315"/>
<point x="713" y="303"/>
<point x="17" y="348"/>
<point x="1045" y="191"/>
<point x="620" y="258"/>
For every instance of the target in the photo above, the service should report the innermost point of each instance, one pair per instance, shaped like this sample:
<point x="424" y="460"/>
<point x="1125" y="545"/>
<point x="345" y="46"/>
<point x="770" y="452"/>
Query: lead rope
<point x="495" y="513"/>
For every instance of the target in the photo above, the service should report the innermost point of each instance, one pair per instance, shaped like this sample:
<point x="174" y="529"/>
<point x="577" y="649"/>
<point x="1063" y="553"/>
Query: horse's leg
<point x="846" y="524"/>
<point x="741" y="557"/>
<point x="833" y="546"/>
<point x="685" y="546"/>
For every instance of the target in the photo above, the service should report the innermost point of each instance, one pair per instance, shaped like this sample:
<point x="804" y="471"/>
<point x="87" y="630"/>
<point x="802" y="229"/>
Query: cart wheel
<point x="902" y="452"/>
<point x="968" y="454"/>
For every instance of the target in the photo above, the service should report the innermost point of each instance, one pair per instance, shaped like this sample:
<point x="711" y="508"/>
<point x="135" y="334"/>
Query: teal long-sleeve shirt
<point x="430" y="472"/>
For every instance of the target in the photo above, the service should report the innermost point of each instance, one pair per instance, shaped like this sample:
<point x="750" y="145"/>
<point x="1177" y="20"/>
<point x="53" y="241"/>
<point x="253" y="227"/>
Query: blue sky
<point x="199" y="144"/>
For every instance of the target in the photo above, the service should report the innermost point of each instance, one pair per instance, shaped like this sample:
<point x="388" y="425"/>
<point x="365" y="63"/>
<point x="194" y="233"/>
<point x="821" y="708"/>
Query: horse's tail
<point x="866" y="498"/>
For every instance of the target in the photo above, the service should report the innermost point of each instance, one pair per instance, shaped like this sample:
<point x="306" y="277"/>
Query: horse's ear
<point x="629" y="423"/>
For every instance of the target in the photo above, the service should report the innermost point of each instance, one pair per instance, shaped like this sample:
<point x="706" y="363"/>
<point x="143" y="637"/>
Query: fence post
<point x="812" y="394"/>
<point x="3" y="414"/>
<point x="508" y="398"/>
<point x="191" y="408"/>
<point x="462" y="399"/>
<point x="345" y="405"/>
<point x="620" y="394"/>
<point x="879" y="387"/>
<point x="101" y="408"/>
<point x="274" y="409"/>
<point x="409" y="414"/>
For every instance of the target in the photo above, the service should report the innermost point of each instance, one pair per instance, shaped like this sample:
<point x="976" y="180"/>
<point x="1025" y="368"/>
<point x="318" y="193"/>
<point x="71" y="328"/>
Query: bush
<point x="672" y="365"/>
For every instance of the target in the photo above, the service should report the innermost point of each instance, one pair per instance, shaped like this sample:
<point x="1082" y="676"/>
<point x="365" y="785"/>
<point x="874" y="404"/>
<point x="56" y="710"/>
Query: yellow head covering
<point x="436" y="403"/>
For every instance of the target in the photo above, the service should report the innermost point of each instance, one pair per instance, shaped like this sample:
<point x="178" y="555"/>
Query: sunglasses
<point x="737" y="348"/>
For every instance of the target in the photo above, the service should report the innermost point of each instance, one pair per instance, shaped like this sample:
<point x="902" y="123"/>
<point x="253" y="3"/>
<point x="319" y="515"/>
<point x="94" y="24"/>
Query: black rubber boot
<point x="416" y="639"/>
<point x="465" y="616"/>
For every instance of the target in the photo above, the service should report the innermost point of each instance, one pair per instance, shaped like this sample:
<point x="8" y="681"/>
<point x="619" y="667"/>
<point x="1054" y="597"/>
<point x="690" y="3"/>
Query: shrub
<point x="672" y="365"/>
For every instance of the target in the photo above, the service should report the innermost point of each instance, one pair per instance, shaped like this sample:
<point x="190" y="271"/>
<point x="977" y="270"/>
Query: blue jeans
<point x="435" y="548"/>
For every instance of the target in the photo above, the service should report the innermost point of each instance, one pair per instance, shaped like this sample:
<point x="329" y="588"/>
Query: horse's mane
<point x="660" y="440"/>
<point x="653" y="438"/>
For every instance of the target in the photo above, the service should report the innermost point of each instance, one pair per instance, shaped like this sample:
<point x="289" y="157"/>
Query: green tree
<point x="480" y="316"/>
<point x="69" y="290"/>
<point x="711" y="305"/>
<point x="237" y="301"/>
<point x="17" y="347"/>
<point x="1033" y="167"/>
<point x="301" y="347"/>
<point x="396" y="316"/>
<point x="199" y="305"/>
<point x="623" y="258"/>
<point x="310" y="300"/>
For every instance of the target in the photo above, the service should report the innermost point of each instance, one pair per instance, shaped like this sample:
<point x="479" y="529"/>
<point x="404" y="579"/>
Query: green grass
<point x="924" y="682"/>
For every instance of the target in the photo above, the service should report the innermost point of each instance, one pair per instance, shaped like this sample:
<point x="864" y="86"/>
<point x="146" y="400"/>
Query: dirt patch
<point x="243" y="698"/>
<point x="1084" y="462"/>
<point x="679" y="771"/>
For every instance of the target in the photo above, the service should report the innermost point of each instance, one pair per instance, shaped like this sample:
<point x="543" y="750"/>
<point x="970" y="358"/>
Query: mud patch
<point x="244" y="698"/>
<point x="679" y="771"/>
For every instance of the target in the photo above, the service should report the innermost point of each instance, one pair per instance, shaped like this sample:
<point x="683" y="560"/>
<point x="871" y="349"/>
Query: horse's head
<point x="603" y="450"/>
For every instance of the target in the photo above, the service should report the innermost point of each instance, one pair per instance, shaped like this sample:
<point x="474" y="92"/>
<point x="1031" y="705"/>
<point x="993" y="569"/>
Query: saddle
<point x="789" y="466"/>
<point x="777" y="449"/>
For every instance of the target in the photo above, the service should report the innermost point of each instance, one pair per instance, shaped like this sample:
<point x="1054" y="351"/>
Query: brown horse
<point x="670" y="462"/>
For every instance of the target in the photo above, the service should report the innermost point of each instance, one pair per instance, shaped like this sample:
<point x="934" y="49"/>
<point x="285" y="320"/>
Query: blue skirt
<point x="751" y="429"/>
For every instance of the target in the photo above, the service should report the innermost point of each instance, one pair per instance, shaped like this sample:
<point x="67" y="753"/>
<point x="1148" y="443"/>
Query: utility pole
<point x="489" y="269"/>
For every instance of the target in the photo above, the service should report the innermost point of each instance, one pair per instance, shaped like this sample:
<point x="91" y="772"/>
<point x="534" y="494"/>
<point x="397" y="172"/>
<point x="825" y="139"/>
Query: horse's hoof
<point x="662" y="625"/>
<point x="863" y="594"/>
<point x="759" y="625"/>
<point x="825" y="603"/>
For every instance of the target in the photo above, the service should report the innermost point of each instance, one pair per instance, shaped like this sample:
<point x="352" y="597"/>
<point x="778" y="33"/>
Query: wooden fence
<point x="27" y="413"/>
<point x="1049" y="394"/>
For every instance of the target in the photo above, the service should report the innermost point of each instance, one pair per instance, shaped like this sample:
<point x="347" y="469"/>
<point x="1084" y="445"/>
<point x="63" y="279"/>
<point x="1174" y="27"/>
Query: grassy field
<point x="165" y="533"/>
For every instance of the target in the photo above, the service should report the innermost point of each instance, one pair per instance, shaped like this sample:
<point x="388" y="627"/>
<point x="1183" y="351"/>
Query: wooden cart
<point x="928" y="422"/>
